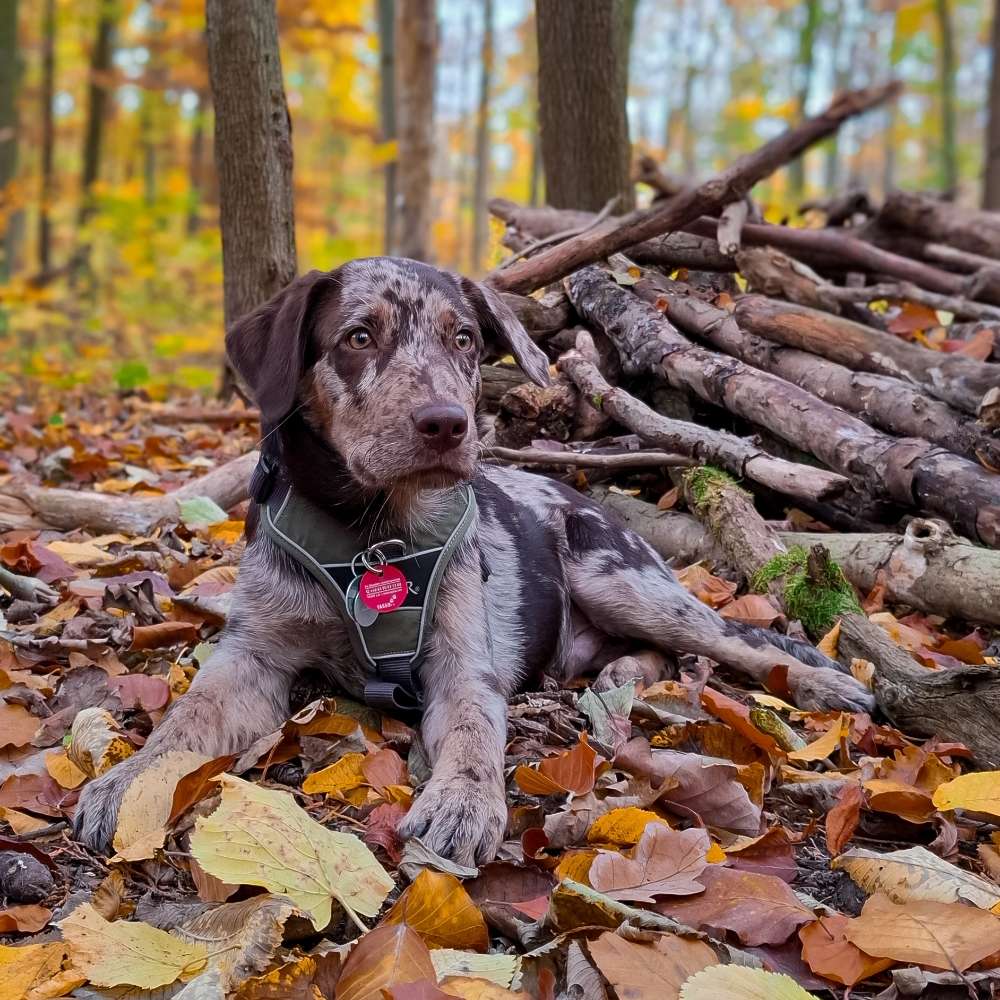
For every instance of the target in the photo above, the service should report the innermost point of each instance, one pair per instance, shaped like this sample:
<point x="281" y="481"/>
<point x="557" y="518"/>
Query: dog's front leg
<point x="462" y="811"/>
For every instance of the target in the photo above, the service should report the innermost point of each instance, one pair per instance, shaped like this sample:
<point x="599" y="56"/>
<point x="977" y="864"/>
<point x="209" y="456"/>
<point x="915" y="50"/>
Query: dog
<point x="367" y="378"/>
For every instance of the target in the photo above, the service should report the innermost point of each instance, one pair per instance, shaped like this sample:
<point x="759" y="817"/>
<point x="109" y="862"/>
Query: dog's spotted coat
<point x="342" y="365"/>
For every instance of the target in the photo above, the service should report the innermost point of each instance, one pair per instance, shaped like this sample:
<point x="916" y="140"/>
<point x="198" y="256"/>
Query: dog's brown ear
<point x="269" y="346"/>
<point x="503" y="332"/>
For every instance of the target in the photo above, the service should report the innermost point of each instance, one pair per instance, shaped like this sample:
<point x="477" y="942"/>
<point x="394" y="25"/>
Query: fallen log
<point x="880" y="400"/>
<point x="910" y="471"/>
<point x="674" y="213"/>
<point x="739" y="456"/>
<point x="943" y="222"/>
<point x="26" y="506"/>
<point x="624" y="461"/>
<point x="953" y="378"/>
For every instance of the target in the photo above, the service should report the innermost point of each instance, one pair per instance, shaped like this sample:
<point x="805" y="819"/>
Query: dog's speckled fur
<point x="546" y="579"/>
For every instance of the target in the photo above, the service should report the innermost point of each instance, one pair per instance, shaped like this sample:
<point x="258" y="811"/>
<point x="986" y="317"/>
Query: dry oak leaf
<point x="572" y="772"/>
<point x="709" y="589"/>
<point x="825" y="745"/>
<point x="262" y="837"/>
<point x="842" y="820"/>
<point x="439" y="909"/>
<point x="26" y="970"/>
<point x="915" y="874"/>
<point x="649" y="971"/>
<point x="949" y="936"/>
<point x="17" y="725"/>
<point x="759" y="909"/>
<point x="128" y="953"/>
<point x="96" y="742"/>
<point x="665" y="862"/>
<point x="381" y="959"/>
<point x="826" y="950"/>
<point x="146" y="805"/>
<point x="740" y="982"/>
<point x="978" y="792"/>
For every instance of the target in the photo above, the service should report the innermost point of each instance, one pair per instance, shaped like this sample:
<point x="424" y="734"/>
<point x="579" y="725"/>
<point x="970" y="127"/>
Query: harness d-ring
<point x="375" y="552"/>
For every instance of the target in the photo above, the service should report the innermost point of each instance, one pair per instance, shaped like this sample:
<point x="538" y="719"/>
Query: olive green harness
<point x="337" y="556"/>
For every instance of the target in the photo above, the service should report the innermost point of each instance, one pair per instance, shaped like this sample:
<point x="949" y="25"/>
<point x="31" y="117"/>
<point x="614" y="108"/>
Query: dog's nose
<point x="442" y="425"/>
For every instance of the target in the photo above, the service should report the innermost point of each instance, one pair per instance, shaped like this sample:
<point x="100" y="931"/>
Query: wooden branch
<point x="953" y="378"/>
<point x="590" y="460"/>
<point x="730" y="232"/>
<point x="737" y="455"/>
<point x="540" y="317"/>
<point x="909" y="471"/>
<point x="938" y="221"/>
<point x="905" y="291"/>
<point x="649" y="172"/>
<point x="880" y="400"/>
<point x="563" y="234"/>
<point x="205" y="415"/>
<point x="732" y="185"/>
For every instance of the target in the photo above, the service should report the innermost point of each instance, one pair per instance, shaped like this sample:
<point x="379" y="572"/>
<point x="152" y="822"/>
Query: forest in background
<point x="112" y="271"/>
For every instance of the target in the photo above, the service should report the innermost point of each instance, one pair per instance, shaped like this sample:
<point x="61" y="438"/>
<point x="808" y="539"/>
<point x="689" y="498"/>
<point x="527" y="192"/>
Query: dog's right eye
<point x="359" y="339"/>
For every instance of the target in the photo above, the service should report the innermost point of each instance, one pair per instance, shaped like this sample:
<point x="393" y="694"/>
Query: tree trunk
<point x="807" y="42"/>
<point x="946" y="86"/>
<point x="387" y="114"/>
<point x="48" y="136"/>
<point x="416" y="59"/>
<point x="9" y="56"/>
<point x="480" y="190"/>
<point x="196" y="163"/>
<point x="991" y="166"/>
<point x="582" y="85"/>
<point x="97" y="103"/>
<point x="253" y="155"/>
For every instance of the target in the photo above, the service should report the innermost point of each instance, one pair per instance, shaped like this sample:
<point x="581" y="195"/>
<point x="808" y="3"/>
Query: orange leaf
<point x="383" y="958"/>
<point x="384" y="768"/>
<point x="821" y="748"/>
<point x="912" y="317"/>
<point x="163" y="634"/>
<point x="753" y="609"/>
<point x="649" y="971"/>
<point x="573" y="771"/>
<point x="842" y="820"/>
<point x="439" y="909"/>
<point x="826" y="950"/>
<point x="738" y="716"/>
<point x="709" y="589"/>
<point x="26" y="918"/>
<point x="909" y="803"/>
<point x="17" y="725"/>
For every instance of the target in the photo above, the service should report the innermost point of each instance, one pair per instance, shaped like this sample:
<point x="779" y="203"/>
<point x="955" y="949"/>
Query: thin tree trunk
<point x="416" y="60"/>
<point x="48" y="136"/>
<point x="946" y="85"/>
<point x="807" y="42"/>
<point x="582" y="84"/>
<point x="253" y="153"/>
<point x="8" y="130"/>
<point x="387" y="113"/>
<point x="196" y="163"/>
<point x="97" y="102"/>
<point x="480" y="191"/>
<point x="991" y="170"/>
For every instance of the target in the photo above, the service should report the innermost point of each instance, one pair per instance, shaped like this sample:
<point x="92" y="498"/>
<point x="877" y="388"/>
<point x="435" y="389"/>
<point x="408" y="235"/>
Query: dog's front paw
<point x="820" y="689"/>
<point x="96" y="817"/>
<point x="459" y="819"/>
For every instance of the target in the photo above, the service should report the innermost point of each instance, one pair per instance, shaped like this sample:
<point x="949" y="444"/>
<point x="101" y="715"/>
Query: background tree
<point x="9" y="59"/>
<point x="991" y="171"/>
<point x="416" y="35"/>
<point x="253" y="154"/>
<point x="811" y="13"/>
<point x="98" y="86"/>
<point x="582" y="86"/>
<point x="46" y="188"/>
<point x="946" y="88"/>
<point x="480" y="221"/>
<point x="387" y="112"/>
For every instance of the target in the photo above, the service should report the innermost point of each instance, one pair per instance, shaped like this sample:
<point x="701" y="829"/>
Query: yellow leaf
<point x="576" y="865"/>
<point x="770" y="701"/>
<point x="96" y="742"/>
<point x="740" y="982"/>
<point x="227" y="532"/>
<point x="65" y="773"/>
<point x="24" y="968"/>
<point x="441" y="912"/>
<point x="497" y="968"/>
<point x="21" y="822"/>
<point x="822" y="747"/>
<point x="976" y="792"/>
<point x="829" y="643"/>
<point x="126" y="953"/>
<point x="622" y="826"/>
<point x="715" y="854"/>
<point x="343" y="780"/>
<point x="262" y="837"/>
<point x="146" y="804"/>
<point x="79" y="553"/>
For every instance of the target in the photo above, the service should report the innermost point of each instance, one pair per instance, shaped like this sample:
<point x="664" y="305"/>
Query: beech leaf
<point x="740" y="982"/>
<point x="383" y="958"/>
<point x="649" y="971"/>
<point x="439" y="909"/>
<point x="826" y="950"/>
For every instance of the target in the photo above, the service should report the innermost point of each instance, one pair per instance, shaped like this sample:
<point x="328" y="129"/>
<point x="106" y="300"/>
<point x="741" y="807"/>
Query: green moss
<point x="814" y="588"/>
<point x="705" y="481"/>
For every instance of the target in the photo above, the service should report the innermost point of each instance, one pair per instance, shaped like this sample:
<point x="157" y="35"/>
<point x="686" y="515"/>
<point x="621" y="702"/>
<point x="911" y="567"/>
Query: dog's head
<point x="382" y="357"/>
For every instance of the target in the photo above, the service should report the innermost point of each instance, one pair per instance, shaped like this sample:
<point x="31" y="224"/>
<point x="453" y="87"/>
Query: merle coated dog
<point x="367" y="378"/>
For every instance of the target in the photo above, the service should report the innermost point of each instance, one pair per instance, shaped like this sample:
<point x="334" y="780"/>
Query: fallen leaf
<point x="754" y="609"/>
<point x="439" y="909"/>
<point x="109" y="897"/>
<point x="383" y="958"/>
<point x="128" y="953"/>
<point x="17" y="725"/>
<point x="163" y="634"/>
<point x="25" y="918"/>
<point x="496" y="968"/>
<point x="842" y="820"/>
<point x="825" y="745"/>
<point x="26" y="967"/>
<point x="572" y="772"/>
<point x="383" y="769"/>
<point x="909" y="803"/>
<point x="740" y="982"/>
<point x="262" y="837"/>
<point x="649" y="971"/>
<point x="826" y="950"/>
<point x="197" y="785"/>
<point x="911" y="317"/>
<point x="709" y="589"/>
<point x="941" y="935"/>
<point x="624" y="827"/>
<point x="63" y="771"/>
<point x="343" y="780"/>
<point x="978" y="791"/>
<point x="665" y="862"/>
<point x="381" y="826"/>
<point x="479" y="989"/>
<point x="141" y="691"/>
<point x="736" y="715"/>
<point x="96" y="742"/>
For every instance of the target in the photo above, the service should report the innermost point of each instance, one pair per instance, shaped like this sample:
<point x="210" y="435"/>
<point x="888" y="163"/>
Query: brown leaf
<point x="760" y="909"/>
<point x="163" y="634"/>
<point x="753" y="609"/>
<point x="197" y="785"/>
<point x="826" y="950"/>
<point x="384" y="768"/>
<point x="422" y="990"/>
<point x="27" y="918"/>
<point x="736" y="715"/>
<point x="913" y="316"/>
<point x="942" y="935"/>
<point x="709" y="589"/>
<point x="978" y="346"/>
<point x="842" y="820"/>
<point x="383" y="958"/>
<point x="573" y="771"/>
<point x="380" y="829"/>
<point x="505" y="882"/>
<point x="665" y="862"/>
<point x="649" y="971"/>
<point x="36" y="793"/>
<point x="17" y="725"/>
<point x="441" y="912"/>
<point x="141" y="690"/>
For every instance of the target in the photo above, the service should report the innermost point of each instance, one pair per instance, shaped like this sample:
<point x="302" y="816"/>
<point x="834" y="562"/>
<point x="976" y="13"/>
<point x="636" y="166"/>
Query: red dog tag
<point x="383" y="593"/>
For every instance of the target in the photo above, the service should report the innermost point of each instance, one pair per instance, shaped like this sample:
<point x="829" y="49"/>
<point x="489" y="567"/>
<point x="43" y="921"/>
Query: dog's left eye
<point x="463" y="340"/>
<point x="359" y="339"/>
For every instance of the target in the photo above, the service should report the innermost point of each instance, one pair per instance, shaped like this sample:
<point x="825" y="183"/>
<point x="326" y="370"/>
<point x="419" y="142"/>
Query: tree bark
<point x="807" y="41"/>
<point x="97" y="102"/>
<point x="942" y="222"/>
<point x="9" y="73"/>
<point x="481" y="183"/>
<point x="582" y="85"/>
<point x="416" y="38"/>
<point x="196" y="164"/>
<point x="954" y="378"/>
<point x="46" y="98"/>
<point x="387" y="114"/>
<point x="946" y="87"/>
<point x="253" y="155"/>
<point x="991" y="158"/>
<point x="907" y="471"/>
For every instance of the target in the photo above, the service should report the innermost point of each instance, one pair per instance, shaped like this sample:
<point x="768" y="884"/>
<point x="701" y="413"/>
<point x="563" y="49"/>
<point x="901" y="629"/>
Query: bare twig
<point x="560" y="236"/>
<point x="590" y="460"/>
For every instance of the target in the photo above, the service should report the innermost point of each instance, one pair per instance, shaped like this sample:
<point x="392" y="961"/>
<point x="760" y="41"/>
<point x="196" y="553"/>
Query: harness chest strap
<point x="392" y="646"/>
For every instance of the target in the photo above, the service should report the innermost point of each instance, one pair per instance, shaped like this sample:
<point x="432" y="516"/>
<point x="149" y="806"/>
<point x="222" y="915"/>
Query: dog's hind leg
<point x="622" y="585"/>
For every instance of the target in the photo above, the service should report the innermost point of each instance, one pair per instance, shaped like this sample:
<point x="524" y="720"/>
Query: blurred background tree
<point x="407" y="116"/>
